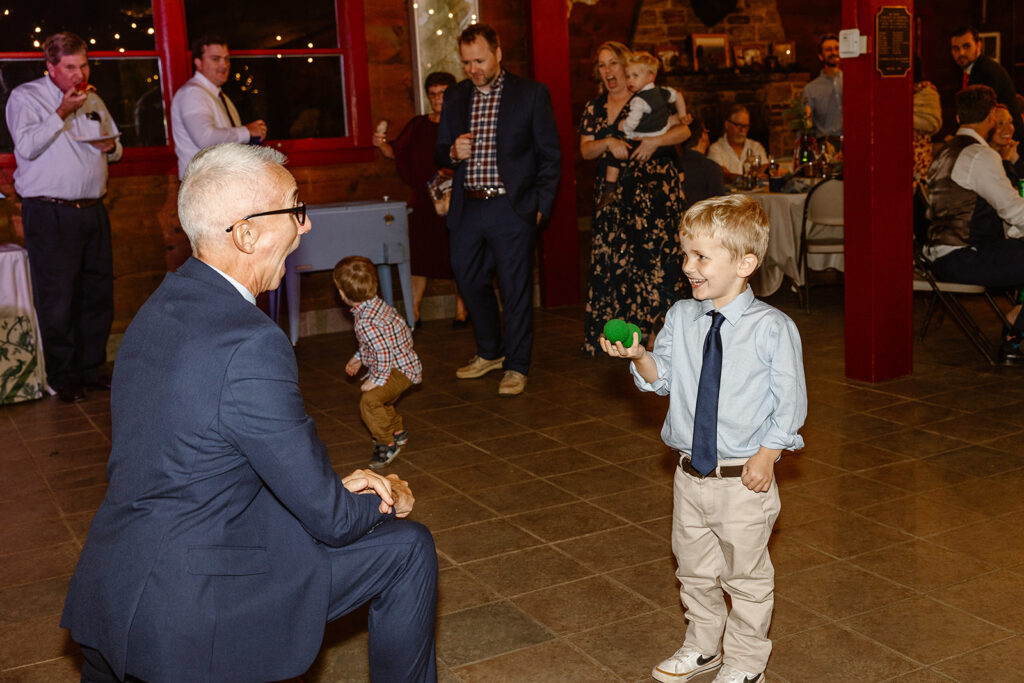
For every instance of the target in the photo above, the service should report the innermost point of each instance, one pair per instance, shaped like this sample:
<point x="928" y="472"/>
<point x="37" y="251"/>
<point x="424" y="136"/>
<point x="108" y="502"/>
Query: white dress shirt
<point x="198" y="120"/>
<point x="722" y="153"/>
<point x="51" y="162"/>
<point x="979" y="168"/>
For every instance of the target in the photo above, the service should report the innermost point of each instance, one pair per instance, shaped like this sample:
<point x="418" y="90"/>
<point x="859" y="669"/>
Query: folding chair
<point x="824" y="207"/>
<point x="947" y="294"/>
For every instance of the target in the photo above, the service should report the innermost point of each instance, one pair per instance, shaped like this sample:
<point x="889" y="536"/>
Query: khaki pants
<point x="720" y="531"/>
<point x="377" y="407"/>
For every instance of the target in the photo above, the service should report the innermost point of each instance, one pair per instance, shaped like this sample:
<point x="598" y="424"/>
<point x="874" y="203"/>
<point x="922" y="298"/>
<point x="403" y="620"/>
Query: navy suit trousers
<point x="492" y="239"/>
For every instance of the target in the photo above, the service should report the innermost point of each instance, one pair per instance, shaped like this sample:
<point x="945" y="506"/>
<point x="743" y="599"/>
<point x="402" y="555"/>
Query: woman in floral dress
<point x="635" y="264"/>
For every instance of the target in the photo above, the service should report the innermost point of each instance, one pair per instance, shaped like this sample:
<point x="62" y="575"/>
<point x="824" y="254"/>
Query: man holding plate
<point x="64" y="137"/>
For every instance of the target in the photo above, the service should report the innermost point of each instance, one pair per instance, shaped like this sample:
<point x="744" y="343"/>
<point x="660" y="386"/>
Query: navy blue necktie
<point x="704" y="455"/>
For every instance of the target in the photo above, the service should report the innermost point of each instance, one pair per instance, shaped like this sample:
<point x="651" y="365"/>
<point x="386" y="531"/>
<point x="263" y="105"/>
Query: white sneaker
<point x="730" y="675"/>
<point x="685" y="664"/>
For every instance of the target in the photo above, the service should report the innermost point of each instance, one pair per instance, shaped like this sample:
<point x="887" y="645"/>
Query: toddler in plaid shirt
<point x="385" y="348"/>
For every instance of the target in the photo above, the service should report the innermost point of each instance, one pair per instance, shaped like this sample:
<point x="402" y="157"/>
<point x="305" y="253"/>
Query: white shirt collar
<point x="242" y="289"/>
<point x="206" y="83"/>
<point x="971" y="133"/>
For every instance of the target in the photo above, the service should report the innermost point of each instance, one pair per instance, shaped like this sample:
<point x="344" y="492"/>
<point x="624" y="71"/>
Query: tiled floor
<point x="899" y="550"/>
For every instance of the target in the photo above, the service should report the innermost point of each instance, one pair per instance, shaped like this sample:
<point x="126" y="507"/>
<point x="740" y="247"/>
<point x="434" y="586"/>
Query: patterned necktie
<point x="224" y="101"/>
<point x="704" y="455"/>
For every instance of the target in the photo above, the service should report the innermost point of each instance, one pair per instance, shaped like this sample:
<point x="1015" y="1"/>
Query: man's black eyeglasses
<point x="299" y="210"/>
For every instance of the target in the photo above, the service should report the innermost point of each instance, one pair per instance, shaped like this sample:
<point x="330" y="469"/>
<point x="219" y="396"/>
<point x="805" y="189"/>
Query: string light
<point x="440" y="32"/>
<point x="150" y="31"/>
<point x="120" y="49"/>
<point x="309" y="59"/>
<point x="430" y="11"/>
<point x="451" y="16"/>
<point x="279" y="56"/>
<point x="309" y="44"/>
<point x="92" y="41"/>
<point x="117" y="36"/>
<point x="39" y="29"/>
<point x="35" y="43"/>
<point x="278" y="37"/>
<point x="134" y="25"/>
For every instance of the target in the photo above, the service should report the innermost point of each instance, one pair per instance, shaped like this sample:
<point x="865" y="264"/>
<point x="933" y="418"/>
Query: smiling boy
<point x="732" y="367"/>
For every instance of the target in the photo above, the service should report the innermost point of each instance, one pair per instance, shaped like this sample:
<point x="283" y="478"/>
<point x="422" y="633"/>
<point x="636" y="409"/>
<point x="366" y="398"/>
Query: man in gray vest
<point x="971" y="199"/>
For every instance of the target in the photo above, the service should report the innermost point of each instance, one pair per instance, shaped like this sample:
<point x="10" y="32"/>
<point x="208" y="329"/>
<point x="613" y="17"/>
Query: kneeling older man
<point x="226" y="541"/>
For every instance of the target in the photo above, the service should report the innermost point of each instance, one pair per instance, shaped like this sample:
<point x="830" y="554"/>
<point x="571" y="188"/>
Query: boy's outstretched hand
<point x="617" y="350"/>
<point x="352" y="366"/>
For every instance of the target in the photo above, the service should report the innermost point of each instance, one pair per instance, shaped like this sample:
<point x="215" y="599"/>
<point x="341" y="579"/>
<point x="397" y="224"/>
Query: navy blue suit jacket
<point x="529" y="156"/>
<point x="207" y="559"/>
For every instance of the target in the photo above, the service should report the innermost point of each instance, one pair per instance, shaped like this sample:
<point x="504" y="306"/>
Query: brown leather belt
<point x="73" y="203"/>
<point x="485" y="193"/>
<point x="726" y="471"/>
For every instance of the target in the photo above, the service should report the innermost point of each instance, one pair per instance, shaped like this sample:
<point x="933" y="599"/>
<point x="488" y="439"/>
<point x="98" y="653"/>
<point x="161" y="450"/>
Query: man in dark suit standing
<point x="226" y="541"/>
<point x="979" y="69"/>
<point x="498" y="133"/>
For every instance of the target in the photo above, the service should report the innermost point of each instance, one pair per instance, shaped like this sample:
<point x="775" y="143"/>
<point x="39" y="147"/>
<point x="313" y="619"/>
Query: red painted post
<point x="878" y="162"/>
<point x="559" y="248"/>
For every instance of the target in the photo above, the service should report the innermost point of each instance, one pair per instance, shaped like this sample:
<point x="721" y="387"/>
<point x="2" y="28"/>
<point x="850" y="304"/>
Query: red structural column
<point x="877" y="127"/>
<point x="559" y="243"/>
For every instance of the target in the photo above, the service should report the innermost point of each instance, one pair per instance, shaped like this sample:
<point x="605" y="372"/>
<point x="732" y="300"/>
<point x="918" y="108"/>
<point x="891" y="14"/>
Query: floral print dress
<point x="635" y="263"/>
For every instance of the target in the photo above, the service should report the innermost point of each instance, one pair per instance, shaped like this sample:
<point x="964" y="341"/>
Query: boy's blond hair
<point x="736" y="221"/>
<point x="646" y="60"/>
<point x="356" y="278"/>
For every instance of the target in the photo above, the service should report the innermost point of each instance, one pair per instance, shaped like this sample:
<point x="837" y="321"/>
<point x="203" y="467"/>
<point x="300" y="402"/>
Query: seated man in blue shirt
<point x="732" y="367"/>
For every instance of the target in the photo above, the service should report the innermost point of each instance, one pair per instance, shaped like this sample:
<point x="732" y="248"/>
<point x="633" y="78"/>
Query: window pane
<point x="436" y="28"/>
<point x="129" y="87"/>
<point x="264" y="24"/>
<point x="108" y="23"/>
<point x="298" y="97"/>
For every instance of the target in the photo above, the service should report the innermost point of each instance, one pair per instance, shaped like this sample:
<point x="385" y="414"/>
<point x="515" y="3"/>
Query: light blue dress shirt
<point x="763" y="397"/>
<point x="825" y="97"/>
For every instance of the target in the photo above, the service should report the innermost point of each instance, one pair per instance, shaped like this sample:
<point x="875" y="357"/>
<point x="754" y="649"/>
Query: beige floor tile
<point x="447" y="512"/>
<point x="616" y="548"/>
<point x="920" y="515"/>
<point x="555" y="462"/>
<point x="916" y="443"/>
<point x="992" y="497"/>
<point x="582" y="605"/>
<point x="512" y="498"/>
<point x="852" y="455"/>
<point x="622" y="449"/>
<point x="566" y="521"/>
<point x="526" y="570"/>
<point x="486" y="631"/>
<point x="850" y="491"/>
<point x="846" y="534"/>
<point x="916" y="475"/>
<point x="518" y="444"/>
<point x="979" y="461"/>
<point x="829" y="653"/>
<point x="921" y="565"/>
<point x="458" y="590"/>
<point x="789" y="617"/>
<point x="553" y="662"/>
<point x="916" y="413"/>
<point x="925" y="630"/>
<point x="655" y="581"/>
<point x="582" y="432"/>
<point x="996" y="541"/>
<point x="789" y="555"/>
<point x="59" y="670"/>
<point x="483" y="539"/>
<point x="33" y="640"/>
<point x="638" y="506"/>
<point x="997" y="597"/>
<point x="631" y="648"/>
<point x="839" y="590"/>
<point x="32" y="566"/>
<point x="28" y="600"/>
<point x="1002" y="661"/>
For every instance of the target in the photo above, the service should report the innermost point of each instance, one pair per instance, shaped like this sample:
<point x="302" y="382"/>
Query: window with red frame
<point x="303" y="72"/>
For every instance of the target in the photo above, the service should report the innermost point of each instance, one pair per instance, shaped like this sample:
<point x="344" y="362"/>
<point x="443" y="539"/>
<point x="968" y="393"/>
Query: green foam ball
<point x="615" y="330"/>
<point x="629" y="334"/>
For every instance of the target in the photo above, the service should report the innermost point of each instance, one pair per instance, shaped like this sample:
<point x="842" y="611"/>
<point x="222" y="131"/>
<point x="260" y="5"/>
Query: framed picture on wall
<point x="785" y="53"/>
<point x="990" y="44"/>
<point x="749" y="54"/>
<point x="710" y="51"/>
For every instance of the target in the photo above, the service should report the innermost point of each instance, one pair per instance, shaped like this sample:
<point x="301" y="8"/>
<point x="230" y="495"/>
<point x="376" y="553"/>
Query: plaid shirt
<point x="483" y="124"/>
<point x="385" y="342"/>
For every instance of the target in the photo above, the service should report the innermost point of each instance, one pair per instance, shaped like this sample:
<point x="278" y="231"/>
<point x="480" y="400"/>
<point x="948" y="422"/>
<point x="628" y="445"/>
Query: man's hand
<point x="72" y="100"/>
<point x="462" y="148"/>
<point x="644" y="150"/>
<point x="367" y="385"/>
<point x="759" y="470"/>
<point x="104" y="145"/>
<point x="617" y="350"/>
<point x="257" y="129"/>
<point x="395" y="494"/>
<point x="352" y="366"/>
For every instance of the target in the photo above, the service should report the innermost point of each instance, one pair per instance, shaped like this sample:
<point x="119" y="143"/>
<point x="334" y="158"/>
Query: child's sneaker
<point x="402" y="437"/>
<point x="685" y="664"/>
<point x="731" y="675"/>
<point x="383" y="454"/>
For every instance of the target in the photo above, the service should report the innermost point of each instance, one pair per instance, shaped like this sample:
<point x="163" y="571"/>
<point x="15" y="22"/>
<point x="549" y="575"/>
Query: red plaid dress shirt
<point x="385" y="342"/>
<point x="483" y="124"/>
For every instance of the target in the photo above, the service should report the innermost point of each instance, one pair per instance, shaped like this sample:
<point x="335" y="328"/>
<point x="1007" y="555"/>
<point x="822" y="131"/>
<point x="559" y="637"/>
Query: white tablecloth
<point x="22" y="370"/>
<point x="785" y="212"/>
